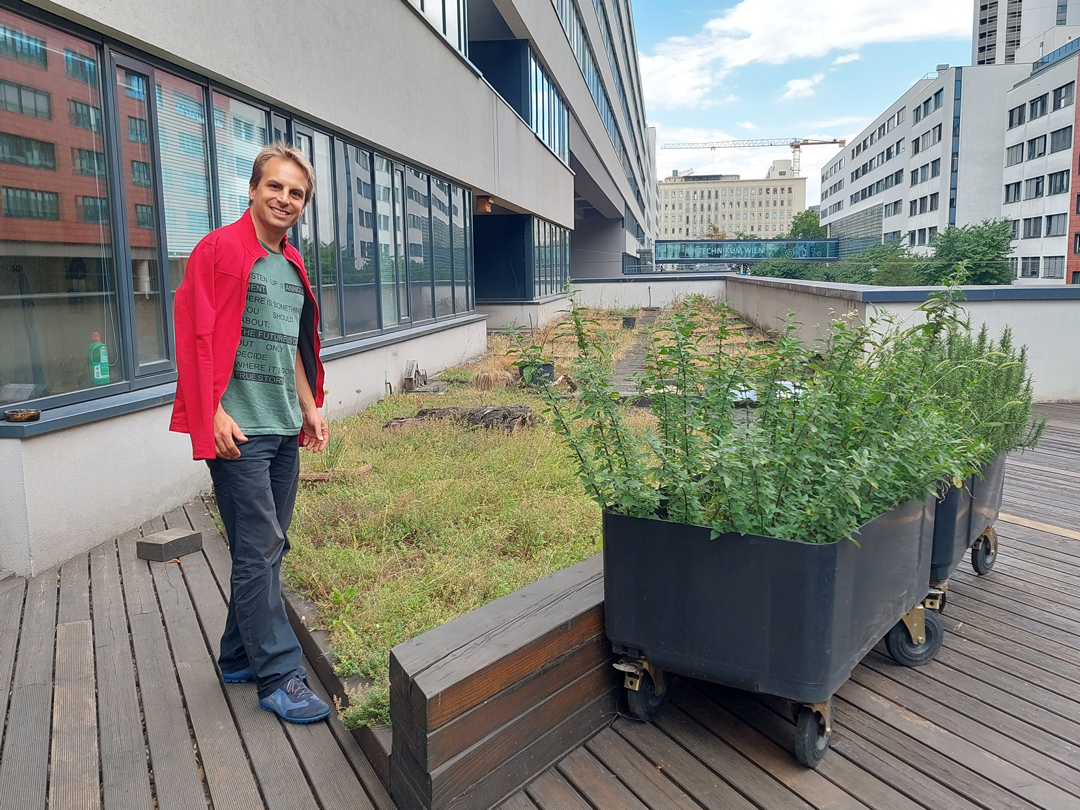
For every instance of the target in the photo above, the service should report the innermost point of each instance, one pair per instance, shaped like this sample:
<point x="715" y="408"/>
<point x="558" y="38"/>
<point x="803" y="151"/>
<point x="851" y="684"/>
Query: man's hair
<point x="280" y="149"/>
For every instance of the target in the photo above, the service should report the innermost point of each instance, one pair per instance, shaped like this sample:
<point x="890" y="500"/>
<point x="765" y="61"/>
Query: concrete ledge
<point x="868" y="293"/>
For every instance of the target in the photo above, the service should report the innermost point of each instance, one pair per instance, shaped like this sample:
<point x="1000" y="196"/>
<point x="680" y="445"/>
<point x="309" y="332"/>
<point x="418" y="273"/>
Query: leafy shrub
<point x="840" y="432"/>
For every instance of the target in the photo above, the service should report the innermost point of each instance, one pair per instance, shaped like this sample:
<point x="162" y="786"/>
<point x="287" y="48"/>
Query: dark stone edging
<point x="374" y="741"/>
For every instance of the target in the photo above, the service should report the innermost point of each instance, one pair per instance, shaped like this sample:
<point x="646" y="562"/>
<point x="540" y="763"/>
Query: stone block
<point x="168" y="545"/>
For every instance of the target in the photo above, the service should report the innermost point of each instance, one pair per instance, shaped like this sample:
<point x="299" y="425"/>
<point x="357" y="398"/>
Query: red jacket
<point x="208" y="314"/>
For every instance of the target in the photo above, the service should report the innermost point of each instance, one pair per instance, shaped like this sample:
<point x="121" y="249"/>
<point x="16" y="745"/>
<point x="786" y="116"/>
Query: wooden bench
<point x="482" y="704"/>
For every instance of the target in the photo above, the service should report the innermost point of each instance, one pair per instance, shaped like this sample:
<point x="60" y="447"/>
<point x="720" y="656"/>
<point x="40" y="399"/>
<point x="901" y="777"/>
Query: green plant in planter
<point x="530" y="361"/>
<point x="841" y="431"/>
<point x="988" y="384"/>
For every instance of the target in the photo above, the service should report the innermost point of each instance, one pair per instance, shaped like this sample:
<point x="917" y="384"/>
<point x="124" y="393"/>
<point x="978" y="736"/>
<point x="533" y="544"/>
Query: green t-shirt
<point x="261" y="395"/>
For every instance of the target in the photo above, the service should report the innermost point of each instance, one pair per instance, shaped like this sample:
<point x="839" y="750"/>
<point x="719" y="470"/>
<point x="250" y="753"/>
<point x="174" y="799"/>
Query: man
<point x="249" y="382"/>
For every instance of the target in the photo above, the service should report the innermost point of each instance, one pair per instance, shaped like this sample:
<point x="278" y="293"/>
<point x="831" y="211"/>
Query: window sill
<point x="83" y="413"/>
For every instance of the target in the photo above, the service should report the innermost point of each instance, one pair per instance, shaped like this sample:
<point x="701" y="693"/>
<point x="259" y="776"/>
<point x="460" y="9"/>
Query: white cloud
<point x="847" y="57"/>
<point x="747" y="125"/>
<point x="682" y="71"/>
<point x="801" y="88"/>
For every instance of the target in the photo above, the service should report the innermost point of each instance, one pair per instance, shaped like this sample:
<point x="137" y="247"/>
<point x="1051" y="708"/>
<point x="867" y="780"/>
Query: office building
<point x="470" y="156"/>
<point x="691" y="205"/>
<point x="930" y="160"/>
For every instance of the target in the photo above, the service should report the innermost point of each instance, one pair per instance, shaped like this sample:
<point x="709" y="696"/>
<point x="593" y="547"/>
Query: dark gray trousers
<point x="255" y="494"/>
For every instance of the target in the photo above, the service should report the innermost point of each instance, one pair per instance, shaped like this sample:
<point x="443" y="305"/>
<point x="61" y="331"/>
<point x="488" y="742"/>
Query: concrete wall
<point x="66" y="491"/>
<point x="376" y="70"/>
<point x="644" y="291"/>
<point x="526" y="315"/>
<point x="1045" y="320"/>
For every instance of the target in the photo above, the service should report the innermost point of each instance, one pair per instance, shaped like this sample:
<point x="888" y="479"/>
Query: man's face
<point x="278" y="200"/>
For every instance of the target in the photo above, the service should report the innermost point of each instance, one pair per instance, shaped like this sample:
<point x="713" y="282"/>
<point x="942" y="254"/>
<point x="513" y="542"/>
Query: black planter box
<point x="759" y="613"/>
<point x="963" y="515"/>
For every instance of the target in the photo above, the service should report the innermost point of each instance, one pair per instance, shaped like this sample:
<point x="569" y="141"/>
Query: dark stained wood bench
<point x="484" y="703"/>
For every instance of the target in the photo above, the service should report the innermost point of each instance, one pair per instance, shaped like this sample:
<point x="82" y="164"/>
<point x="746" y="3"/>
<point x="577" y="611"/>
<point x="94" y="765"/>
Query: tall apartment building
<point x="930" y="160"/>
<point x="1039" y="157"/>
<point x="470" y="155"/>
<point x="1001" y="27"/>
<point x="689" y="204"/>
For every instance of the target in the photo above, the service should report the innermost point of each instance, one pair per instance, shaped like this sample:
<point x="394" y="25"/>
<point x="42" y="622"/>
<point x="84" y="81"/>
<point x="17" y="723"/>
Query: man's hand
<point x="315" y="433"/>
<point x="226" y="434"/>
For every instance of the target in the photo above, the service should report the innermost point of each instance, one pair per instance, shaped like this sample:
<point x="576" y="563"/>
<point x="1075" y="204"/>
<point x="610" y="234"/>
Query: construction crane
<point x="796" y="145"/>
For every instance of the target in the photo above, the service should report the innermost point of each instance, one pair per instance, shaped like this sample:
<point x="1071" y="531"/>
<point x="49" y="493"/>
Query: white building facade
<point x="470" y="156"/>
<point x="928" y="161"/>
<point x="691" y="205"/>
<point x="1039" y="162"/>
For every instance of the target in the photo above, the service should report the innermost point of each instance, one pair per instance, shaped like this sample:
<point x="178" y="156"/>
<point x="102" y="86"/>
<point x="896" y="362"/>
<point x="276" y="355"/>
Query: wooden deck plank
<point x="641" y="776"/>
<point x="24" y="760"/>
<point x="686" y="770"/>
<point x="860" y="731"/>
<point x="1046" y="678"/>
<point x="1036" y="752"/>
<point x="125" y="776"/>
<point x="976" y="625"/>
<point x="551" y="791"/>
<point x="74" y="762"/>
<point x="740" y="772"/>
<point x="864" y="787"/>
<point x="519" y="801"/>
<point x="592" y="779"/>
<point x="177" y="785"/>
<point x="780" y="764"/>
<point x="225" y="765"/>
<point x="282" y="780"/>
<point x="210" y="570"/>
<point x="948" y="744"/>
<point x="12" y="592"/>
<point x="325" y="765"/>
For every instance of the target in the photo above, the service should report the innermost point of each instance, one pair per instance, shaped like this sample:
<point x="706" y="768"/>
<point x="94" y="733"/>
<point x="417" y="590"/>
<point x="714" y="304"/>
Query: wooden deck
<point x="992" y="723"/>
<point x="110" y="696"/>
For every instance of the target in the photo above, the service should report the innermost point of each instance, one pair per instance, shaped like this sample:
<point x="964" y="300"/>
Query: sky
<point x="715" y="70"/>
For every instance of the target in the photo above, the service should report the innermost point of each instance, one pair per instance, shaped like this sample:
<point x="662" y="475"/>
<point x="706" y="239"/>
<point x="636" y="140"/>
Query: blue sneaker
<point x="244" y="675"/>
<point x="295" y="703"/>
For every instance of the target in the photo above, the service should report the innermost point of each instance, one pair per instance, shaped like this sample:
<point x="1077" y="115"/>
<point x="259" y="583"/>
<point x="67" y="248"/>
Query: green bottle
<point x="99" y="360"/>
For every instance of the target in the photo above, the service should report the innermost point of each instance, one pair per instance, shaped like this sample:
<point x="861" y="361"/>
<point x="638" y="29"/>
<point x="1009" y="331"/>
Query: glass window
<point x="137" y="129"/>
<point x="441" y="248"/>
<point x="388" y="242"/>
<point x="151" y="340"/>
<point x="1037" y="107"/>
<point x="356" y="238"/>
<point x="29" y="152"/>
<point x="1058" y="182"/>
<point x="239" y="134"/>
<point x="80" y="68"/>
<point x="1056" y="224"/>
<point x="57" y="276"/>
<point x="140" y="173"/>
<point x="324" y="222"/>
<point x="187" y="204"/>
<point x="1036" y="147"/>
<point x="23" y="100"/>
<point x="460" y="209"/>
<point x="88" y="161"/>
<point x="306" y="224"/>
<point x="1063" y="96"/>
<point x="1014" y="154"/>
<point x="1034" y="187"/>
<point x="1033" y="228"/>
<point x="418" y="238"/>
<point x="1053" y="267"/>
<point x="1017" y="116"/>
<point x="1061" y="139"/>
<point x="1029" y="267"/>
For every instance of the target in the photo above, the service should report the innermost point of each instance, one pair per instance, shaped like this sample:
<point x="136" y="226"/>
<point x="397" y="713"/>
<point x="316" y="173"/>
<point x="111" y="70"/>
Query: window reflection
<point x="441" y="247"/>
<point x="57" y="276"/>
<point x="418" y="219"/>
<point x="384" y="213"/>
<point x="356" y="236"/>
<point x="151" y="343"/>
<point x="185" y="176"/>
<point x="239" y="134"/>
<point x="324" y="223"/>
<point x="459" y="217"/>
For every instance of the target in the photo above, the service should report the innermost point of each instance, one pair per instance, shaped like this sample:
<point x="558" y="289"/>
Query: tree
<point x="806" y="225"/>
<point x="714" y="232"/>
<point x="783" y="267"/>
<point x="985" y="247"/>
<point x="889" y="264"/>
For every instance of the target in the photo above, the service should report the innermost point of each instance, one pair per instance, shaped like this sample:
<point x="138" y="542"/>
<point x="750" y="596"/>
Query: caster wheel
<point x="942" y="601"/>
<point x="811" y="741"/>
<point x="904" y="652"/>
<point x="983" y="556"/>
<point x="645" y="704"/>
